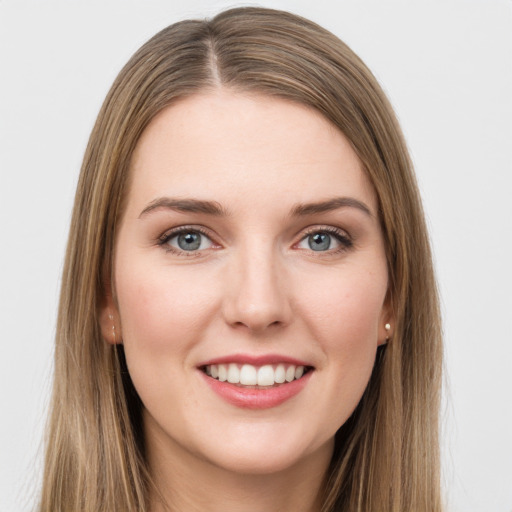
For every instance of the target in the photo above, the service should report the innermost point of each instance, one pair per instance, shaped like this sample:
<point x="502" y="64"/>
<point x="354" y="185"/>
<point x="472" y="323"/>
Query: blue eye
<point x="187" y="240"/>
<point x="324" y="240"/>
<point x="319" y="241"/>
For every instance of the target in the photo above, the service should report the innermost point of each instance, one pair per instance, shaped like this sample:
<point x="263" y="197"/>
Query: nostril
<point x="256" y="299"/>
<point x="257" y="326"/>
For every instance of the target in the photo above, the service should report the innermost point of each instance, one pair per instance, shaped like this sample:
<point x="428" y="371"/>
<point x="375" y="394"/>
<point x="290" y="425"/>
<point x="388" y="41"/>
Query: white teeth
<point x="223" y="373"/>
<point x="249" y="375"/>
<point x="233" y="374"/>
<point x="266" y="376"/>
<point x="280" y="375"/>
<point x="290" y="373"/>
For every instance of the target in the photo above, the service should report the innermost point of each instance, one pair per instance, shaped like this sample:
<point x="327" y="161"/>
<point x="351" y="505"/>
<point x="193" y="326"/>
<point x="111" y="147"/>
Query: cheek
<point x="163" y="313"/>
<point x="346" y="310"/>
<point x="163" y="316"/>
<point x="345" y="318"/>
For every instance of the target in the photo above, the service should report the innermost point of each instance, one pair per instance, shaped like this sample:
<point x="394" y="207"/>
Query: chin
<point x="265" y="455"/>
<point x="257" y="463"/>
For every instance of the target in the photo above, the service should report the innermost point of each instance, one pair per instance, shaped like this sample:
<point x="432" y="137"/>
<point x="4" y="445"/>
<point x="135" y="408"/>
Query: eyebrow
<point x="216" y="209"/>
<point x="330" y="205"/>
<point x="185" y="205"/>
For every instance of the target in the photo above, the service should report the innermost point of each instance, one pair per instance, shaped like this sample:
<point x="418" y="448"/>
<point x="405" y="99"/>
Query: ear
<point x="386" y="323"/>
<point x="110" y="322"/>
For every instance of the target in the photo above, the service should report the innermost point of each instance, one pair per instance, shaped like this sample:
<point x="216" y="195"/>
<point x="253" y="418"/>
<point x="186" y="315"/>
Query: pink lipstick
<point x="256" y="382"/>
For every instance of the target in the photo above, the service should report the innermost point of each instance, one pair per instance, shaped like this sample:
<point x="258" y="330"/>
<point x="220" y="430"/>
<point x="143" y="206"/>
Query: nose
<point x="257" y="295"/>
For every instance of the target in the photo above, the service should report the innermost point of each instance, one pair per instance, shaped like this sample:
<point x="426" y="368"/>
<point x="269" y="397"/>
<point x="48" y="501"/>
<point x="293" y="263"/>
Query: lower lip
<point x="250" y="398"/>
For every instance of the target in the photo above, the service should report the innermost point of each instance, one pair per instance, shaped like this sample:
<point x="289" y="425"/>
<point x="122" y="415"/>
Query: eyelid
<point x="167" y="235"/>
<point x="342" y="236"/>
<point x="325" y="229"/>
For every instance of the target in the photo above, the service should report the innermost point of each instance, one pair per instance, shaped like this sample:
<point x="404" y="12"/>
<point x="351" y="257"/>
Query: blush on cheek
<point x="160" y="313"/>
<point x="350" y="320"/>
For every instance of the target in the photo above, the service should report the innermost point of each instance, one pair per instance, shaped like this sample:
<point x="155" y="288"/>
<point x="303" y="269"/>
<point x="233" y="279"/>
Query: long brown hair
<point x="386" y="455"/>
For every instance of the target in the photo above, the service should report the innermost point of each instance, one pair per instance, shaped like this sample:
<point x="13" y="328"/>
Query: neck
<point x="188" y="483"/>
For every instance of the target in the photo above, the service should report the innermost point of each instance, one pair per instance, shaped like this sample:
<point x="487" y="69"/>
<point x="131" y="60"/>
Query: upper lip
<point x="255" y="360"/>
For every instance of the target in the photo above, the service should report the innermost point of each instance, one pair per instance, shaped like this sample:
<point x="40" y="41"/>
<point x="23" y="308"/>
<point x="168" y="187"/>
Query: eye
<point x="186" y="240"/>
<point x="323" y="240"/>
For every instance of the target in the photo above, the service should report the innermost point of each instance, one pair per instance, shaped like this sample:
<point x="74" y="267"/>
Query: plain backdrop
<point x="447" y="68"/>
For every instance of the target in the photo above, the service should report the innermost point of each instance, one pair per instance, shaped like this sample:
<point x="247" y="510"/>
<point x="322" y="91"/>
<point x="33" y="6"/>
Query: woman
<point x="248" y="317"/>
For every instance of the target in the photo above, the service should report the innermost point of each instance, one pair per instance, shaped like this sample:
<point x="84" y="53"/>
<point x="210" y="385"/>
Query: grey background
<point x="447" y="67"/>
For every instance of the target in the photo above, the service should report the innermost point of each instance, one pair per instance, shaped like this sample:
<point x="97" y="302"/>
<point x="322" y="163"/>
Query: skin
<point x="254" y="287"/>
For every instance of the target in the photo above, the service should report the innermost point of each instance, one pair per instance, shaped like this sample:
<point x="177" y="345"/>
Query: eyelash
<point x="340" y="235"/>
<point x="168" y="235"/>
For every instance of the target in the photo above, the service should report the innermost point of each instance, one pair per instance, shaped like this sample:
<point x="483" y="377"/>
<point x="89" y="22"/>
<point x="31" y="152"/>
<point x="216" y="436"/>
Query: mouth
<point x="251" y="381"/>
<point x="249" y="376"/>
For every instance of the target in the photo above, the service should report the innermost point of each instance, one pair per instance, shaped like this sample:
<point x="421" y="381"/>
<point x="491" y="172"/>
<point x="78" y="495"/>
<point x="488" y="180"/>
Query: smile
<point x="256" y="382"/>
<point x="264" y="376"/>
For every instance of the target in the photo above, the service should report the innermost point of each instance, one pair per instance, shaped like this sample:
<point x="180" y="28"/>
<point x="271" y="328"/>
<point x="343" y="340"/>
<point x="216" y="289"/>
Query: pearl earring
<point x="388" y="328"/>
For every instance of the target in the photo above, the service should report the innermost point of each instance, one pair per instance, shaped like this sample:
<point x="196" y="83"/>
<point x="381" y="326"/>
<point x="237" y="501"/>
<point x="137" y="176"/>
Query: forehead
<point x="233" y="145"/>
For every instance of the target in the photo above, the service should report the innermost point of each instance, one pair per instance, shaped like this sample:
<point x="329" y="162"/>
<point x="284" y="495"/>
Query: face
<point x="250" y="281"/>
